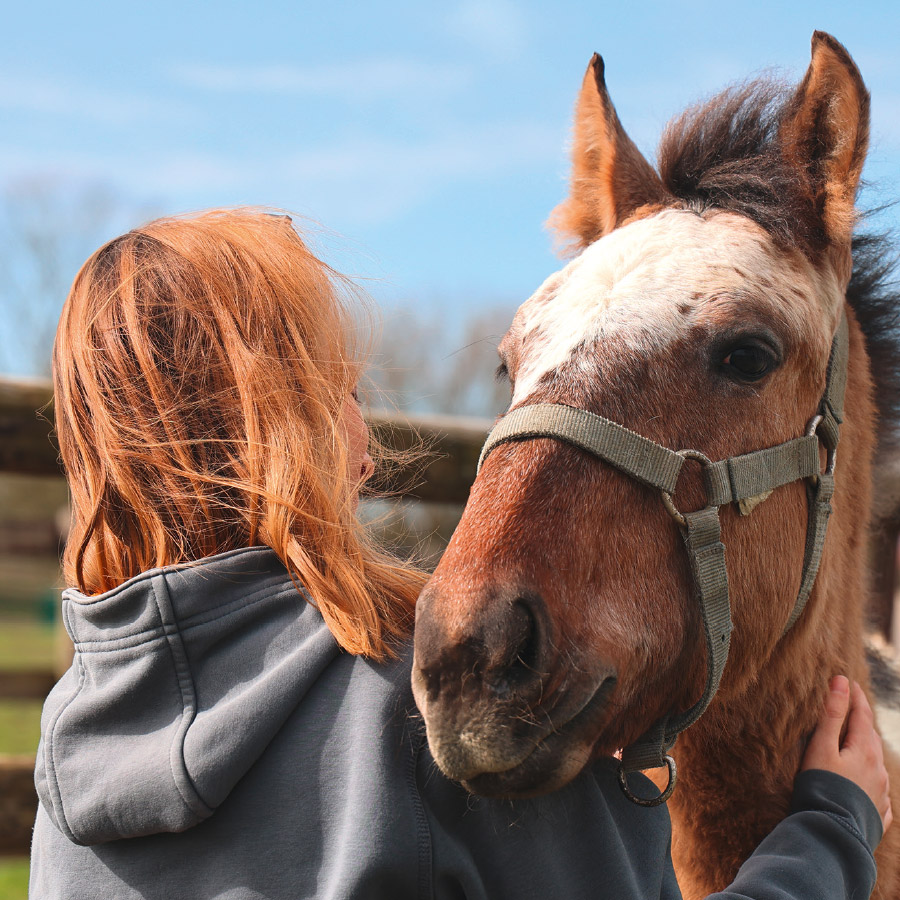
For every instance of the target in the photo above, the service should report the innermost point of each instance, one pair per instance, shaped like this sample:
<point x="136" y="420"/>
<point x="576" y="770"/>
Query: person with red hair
<point x="238" y="720"/>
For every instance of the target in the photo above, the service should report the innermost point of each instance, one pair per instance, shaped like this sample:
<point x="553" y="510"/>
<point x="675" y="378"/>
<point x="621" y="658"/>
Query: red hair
<point x="200" y="369"/>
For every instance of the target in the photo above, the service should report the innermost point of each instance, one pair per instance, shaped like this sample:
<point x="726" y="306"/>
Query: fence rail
<point x="443" y="475"/>
<point x="18" y="804"/>
<point x="26" y="414"/>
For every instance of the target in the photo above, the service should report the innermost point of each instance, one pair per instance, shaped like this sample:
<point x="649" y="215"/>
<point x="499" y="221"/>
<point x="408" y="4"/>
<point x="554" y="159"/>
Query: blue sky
<point x="429" y="138"/>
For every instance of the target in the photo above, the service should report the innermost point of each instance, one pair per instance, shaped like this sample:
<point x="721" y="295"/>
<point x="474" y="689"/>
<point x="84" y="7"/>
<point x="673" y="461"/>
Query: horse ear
<point x="824" y="135"/>
<point x="610" y="178"/>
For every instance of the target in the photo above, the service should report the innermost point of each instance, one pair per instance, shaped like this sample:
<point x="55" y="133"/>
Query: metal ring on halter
<point x="653" y="801"/>
<point x="830" y="455"/>
<point x="667" y="498"/>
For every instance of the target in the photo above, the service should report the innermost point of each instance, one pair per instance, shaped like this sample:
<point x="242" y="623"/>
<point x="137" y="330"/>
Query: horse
<point x="711" y="320"/>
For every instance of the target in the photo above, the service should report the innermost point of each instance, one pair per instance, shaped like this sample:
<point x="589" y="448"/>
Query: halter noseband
<point x="744" y="480"/>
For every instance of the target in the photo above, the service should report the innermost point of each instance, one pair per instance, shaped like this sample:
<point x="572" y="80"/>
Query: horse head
<point x="699" y="312"/>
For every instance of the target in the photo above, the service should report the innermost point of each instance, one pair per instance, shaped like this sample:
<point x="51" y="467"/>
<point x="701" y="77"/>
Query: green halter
<point x="739" y="479"/>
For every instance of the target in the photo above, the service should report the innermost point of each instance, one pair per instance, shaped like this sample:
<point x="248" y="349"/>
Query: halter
<point x="745" y="480"/>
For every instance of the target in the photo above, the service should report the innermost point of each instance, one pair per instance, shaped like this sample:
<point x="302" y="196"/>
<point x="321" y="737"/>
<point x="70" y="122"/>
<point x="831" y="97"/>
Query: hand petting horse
<point x="663" y="555"/>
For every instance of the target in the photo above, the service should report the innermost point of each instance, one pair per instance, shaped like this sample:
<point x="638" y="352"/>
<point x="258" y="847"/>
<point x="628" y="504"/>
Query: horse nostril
<point x="517" y="667"/>
<point x="501" y="654"/>
<point x="525" y="643"/>
<point x="428" y="681"/>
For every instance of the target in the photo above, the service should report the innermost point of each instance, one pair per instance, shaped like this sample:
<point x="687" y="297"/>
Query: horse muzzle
<point x="501" y="714"/>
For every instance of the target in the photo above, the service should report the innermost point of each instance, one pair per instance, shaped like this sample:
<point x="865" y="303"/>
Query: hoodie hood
<point x="181" y="678"/>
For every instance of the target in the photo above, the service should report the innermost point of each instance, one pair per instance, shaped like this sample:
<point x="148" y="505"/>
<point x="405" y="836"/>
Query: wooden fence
<point x="27" y="446"/>
<point x="441" y="452"/>
<point x="442" y="476"/>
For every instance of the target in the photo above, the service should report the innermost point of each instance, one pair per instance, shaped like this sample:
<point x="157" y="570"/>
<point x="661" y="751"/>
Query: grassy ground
<point x="29" y="585"/>
<point x="13" y="879"/>
<point x="20" y="724"/>
<point x="26" y="644"/>
<point x="23" y="645"/>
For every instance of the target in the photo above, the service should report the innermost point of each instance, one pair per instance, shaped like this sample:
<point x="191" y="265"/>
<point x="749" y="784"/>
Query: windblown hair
<point x="200" y="369"/>
<point x="725" y="154"/>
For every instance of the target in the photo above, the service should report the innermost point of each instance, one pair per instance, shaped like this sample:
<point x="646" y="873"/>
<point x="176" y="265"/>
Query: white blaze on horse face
<point x="647" y="283"/>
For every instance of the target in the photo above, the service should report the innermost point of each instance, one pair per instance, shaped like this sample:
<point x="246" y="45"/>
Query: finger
<point x="885" y="809"/>
<point x="878" y="750"/>
<point x="860" y="722"/>
<point x="827" y="735"/>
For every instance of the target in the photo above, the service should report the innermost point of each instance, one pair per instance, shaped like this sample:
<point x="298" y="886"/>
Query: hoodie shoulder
<point x="181" y="678"/>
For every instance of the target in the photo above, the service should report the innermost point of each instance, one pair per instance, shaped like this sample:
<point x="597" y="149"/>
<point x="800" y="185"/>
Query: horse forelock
<point x="725" y="154"/>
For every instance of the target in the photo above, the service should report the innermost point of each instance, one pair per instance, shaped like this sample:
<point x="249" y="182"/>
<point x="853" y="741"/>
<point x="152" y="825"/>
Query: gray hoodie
<point x="212" y="740"/>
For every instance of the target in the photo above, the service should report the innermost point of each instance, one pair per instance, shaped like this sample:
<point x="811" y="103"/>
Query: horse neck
<point x="738" y="762"/>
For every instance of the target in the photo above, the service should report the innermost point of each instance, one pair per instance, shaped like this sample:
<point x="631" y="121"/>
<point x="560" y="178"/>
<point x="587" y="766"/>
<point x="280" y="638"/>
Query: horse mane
<point x="725" y="154"/>
<point x="874" y="294"/>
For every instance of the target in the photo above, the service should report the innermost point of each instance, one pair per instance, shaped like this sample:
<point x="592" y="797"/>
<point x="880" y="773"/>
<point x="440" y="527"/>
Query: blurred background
<point x="420" y="146"/>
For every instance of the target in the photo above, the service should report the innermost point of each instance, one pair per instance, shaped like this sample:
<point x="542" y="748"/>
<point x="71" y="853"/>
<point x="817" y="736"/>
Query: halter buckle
<point x="831" y="453"/>
<point x="668" y="499"/>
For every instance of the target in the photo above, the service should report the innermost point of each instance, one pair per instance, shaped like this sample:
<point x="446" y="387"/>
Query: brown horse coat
<point x="699" y="313"/>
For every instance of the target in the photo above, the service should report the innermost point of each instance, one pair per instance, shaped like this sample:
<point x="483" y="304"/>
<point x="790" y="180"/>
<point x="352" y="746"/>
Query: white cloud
<point x="375" y="180"/>
<point x="372" y="77"/>
<point x="363" y="179"/>
<point x="69" y="99"/>
<point x="480" y="152"/>
<point x="496" y="27"/>
<point x="163" y="176"/>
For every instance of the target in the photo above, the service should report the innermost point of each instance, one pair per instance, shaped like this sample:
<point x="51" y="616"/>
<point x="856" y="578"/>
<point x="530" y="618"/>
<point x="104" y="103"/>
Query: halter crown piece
<point x="738" y="479"/>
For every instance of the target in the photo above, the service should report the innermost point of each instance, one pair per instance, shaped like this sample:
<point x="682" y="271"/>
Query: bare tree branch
<point x="422" y="365"/>
<point x="48" y="227"/>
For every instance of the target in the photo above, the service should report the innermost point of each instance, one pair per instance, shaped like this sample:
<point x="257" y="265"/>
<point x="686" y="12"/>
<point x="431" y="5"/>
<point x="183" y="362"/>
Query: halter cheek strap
<point x="743" y="480"/>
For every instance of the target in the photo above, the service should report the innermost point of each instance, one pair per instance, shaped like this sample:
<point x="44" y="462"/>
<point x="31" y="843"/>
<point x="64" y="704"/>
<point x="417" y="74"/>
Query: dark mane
<point x="724" y="154"/>
<point x="874" y="294"/>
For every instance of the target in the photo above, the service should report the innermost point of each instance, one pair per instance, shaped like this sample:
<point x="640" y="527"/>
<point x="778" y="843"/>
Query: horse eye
<point x="749" y="361"/>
